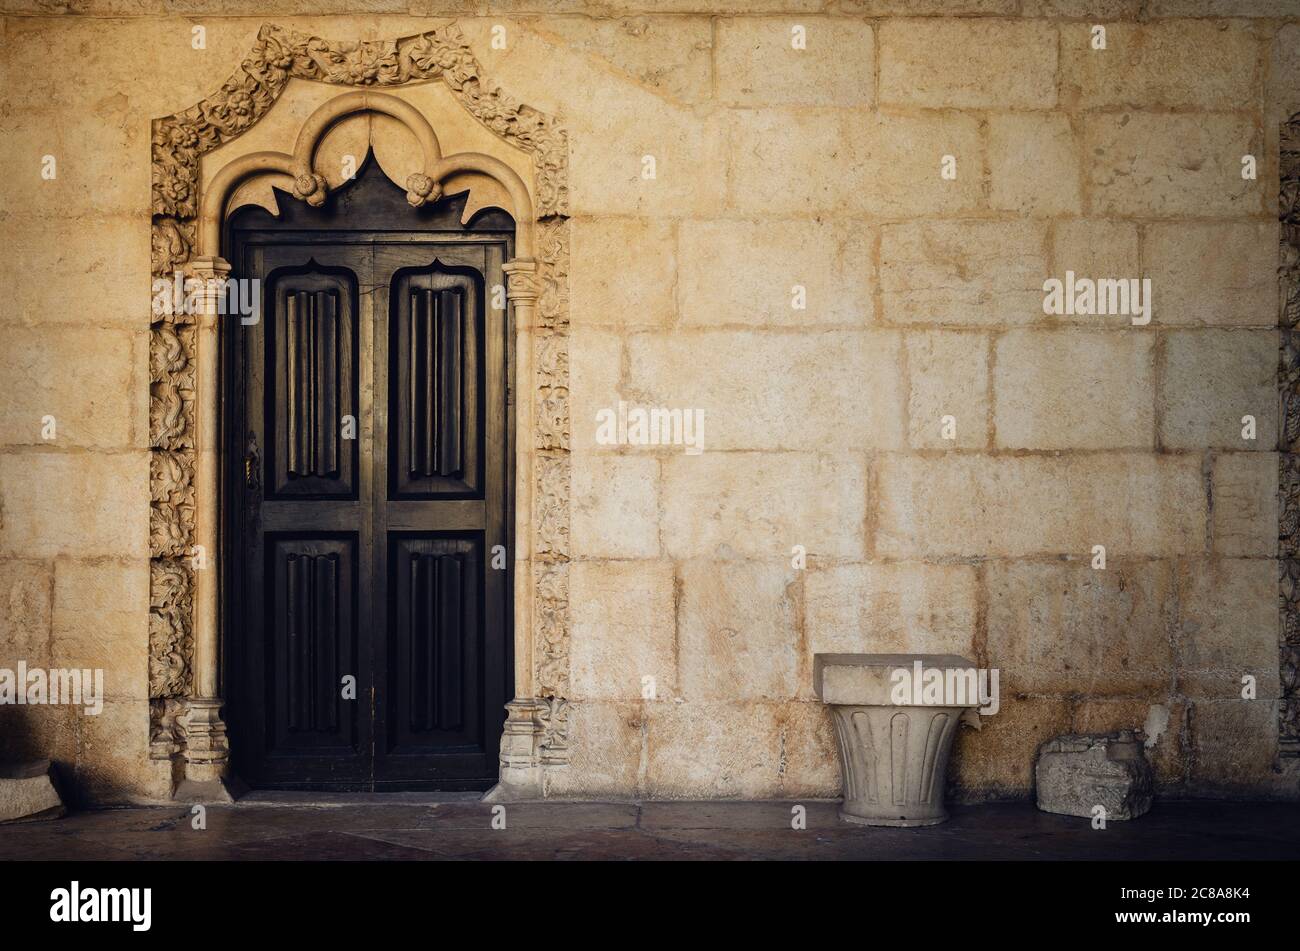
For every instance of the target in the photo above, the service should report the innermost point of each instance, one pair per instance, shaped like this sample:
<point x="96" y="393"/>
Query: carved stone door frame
<point x="187" y="732"/>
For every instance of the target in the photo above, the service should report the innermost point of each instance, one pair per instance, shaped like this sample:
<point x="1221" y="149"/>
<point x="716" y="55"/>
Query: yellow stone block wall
<point x="774" y="167"/>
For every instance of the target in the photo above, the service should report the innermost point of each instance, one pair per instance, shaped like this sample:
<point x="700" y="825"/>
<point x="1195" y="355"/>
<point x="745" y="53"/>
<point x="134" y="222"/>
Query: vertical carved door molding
<point x="541" y="288"/>
<point x="1289" y="439"/>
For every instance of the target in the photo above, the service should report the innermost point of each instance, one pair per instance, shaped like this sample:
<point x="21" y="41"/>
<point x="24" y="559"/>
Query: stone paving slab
<point x="422" y="830"/>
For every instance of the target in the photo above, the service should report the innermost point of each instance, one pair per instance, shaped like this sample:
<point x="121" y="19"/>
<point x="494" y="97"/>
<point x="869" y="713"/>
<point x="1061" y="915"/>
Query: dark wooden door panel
<point x="368" y="557"/>
<point x="436" y="643"/>
<point x="435" y="407"/>
<point x="312" y="384"/>
<point x="311" y="587"/>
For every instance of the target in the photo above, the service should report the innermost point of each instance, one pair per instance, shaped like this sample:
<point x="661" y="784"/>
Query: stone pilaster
<point x="207" y="751"/>
<point x="521" y="766"/>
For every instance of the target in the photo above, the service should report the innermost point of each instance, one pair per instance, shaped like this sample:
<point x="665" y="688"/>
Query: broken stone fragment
<point x="1077" y="773"/>
<point x="27" y="792"/>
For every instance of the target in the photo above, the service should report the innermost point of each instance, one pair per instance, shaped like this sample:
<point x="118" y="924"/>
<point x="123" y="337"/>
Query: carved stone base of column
<point x="521" y="765"/>
<point x="207" y="755"/>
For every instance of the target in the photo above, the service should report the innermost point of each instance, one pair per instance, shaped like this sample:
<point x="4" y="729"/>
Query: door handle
<point x="252" y="463"/>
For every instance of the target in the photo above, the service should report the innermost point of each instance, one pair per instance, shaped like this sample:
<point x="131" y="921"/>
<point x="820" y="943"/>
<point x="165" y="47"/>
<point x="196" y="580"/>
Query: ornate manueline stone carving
<point x="171" y="517"/>
<point x="279" y="55"/>
<point x="551" y="652"/>
<point x="552" y="510"/>
<point x="552" y="441"/>
<point x="171" y="604"/>
<point x="554" y="745"/>
<point x="178" y="143"/>
<point x="1289" y="439"/>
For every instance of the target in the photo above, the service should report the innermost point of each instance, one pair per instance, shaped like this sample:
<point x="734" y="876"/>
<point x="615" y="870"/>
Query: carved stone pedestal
<point x="521" y="769"/>
<point x="207" y="755"/>
<point x="893" y="755"/>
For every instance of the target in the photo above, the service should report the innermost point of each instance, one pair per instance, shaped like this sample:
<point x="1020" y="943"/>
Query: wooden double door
<point x="368" y="580"/>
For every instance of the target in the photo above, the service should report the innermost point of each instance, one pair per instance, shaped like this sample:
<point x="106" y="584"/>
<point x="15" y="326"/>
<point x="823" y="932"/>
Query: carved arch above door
<point x="186" y="730"/>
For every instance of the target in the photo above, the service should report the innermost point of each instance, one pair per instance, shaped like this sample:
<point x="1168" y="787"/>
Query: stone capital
<point x="522" y="284"/>
<point x="211" y="272"/>
<point x="207" y="267"/>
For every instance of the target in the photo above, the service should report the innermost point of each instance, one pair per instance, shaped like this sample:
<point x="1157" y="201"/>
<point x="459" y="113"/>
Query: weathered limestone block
<point x="784" y="161"/>
<point x="626" y="123"/>
<point x="36" y="364"/>
<point x="899" y="606"/>
<point x="622" y="629"/>
<point x="1096" y="247"/>
<point x="964" y="64"/>
<point x="605" y="756"/>
<point x="709" y="503"/>
<point x="1058" y="628"/>
<point x="752" y="386"/>
<point x="1069" y="390"/>
<point x="837" y="162"/>
<point x="736" y="630"/>
<point x="1034" y="161"/>
<point x="1219" y="273"/>
<point x="1233" y="743"/>
<point x="706" y="749"/>
<point x="94" y="261"/>
<point x="1076" y="773"/>
<point x="27" y="793"/>
<point x="948" y="376"/>
<point x="611" y="289"/>
<point x="758" y="65"/>
<point x="1214" y="378"/>
<point x="810" y="762"/>
<point x="1226" y="627"/>
<point x="96" y="520"/>
<point x="92" y="179"/>
<point x="1159" y="165"/>
<point x="594" y="360"/>
<point x="971" y="273"/>
<point x="977" y="506"/>
<point x="997" y="761"/>
<point x="25" y="611"/>
<point x="1245" y="504"/>
<point x="888" y="181"/>
<point x="669" y="56"/>
<point x="1284" y="73"/>
<point x="1193" y="64"/>
<point x="615" y="504"/>
<point x="831" y="260"/>
<point x="894" y="754"/>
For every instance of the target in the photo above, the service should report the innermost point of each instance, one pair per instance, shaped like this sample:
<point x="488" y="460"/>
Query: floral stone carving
<point x="1288" y="381"/>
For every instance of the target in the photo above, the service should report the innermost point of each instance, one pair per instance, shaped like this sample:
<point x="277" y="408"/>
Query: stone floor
<point x="418" y="826"/>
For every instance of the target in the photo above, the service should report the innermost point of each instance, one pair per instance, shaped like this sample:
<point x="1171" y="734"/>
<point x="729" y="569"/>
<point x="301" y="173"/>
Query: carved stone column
<point x="207" y="752"/>
<point x="521" y="771"/>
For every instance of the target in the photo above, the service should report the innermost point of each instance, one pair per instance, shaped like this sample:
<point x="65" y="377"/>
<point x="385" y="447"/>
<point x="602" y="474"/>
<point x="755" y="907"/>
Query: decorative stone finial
<point x="310" y="187"/>
<point x="420" y="188"/>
